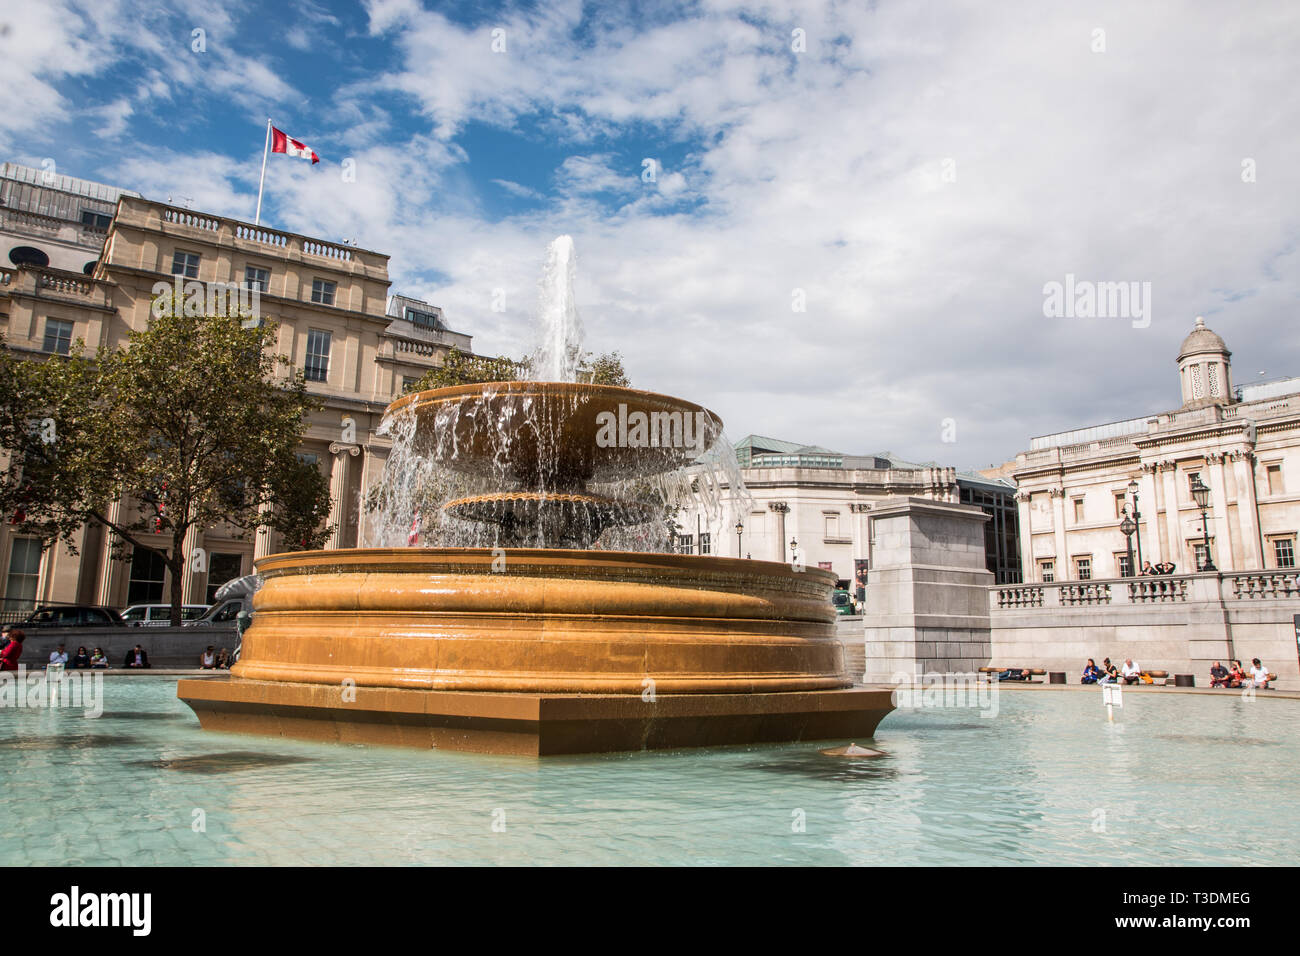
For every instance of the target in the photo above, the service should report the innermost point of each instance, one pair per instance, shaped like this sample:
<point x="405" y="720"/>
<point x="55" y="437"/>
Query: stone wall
<point x="1179" y="623"/>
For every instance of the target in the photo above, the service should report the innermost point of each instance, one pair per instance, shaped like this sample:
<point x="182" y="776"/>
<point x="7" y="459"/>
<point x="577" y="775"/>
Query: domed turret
<point x="1204" y="368"/>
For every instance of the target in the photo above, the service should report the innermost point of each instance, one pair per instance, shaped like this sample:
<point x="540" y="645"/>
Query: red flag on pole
<point x="281" y="142"/>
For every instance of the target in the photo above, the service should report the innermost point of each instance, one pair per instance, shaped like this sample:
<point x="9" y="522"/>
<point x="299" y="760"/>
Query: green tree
<point x="606" y="369"/>
<point x="465" y="368"/>
<point x="195" y="423"/>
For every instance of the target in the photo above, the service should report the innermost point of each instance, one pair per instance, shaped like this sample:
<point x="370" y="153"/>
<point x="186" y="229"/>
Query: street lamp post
<point x="794" y="554"/>
<point x="1201" y="493"/>
<point x="740" y="529"/>
<point x="1127" y="527"/>
<point x="1137" y="520"/>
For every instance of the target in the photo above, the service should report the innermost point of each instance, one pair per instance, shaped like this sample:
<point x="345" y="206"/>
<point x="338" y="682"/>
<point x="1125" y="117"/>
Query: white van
<point x="160" y="615"/>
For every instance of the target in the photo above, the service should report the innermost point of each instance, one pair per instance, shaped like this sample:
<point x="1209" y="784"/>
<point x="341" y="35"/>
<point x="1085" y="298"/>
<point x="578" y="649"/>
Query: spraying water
<point x="516" y="464"/>
<point x="559" y="352"/>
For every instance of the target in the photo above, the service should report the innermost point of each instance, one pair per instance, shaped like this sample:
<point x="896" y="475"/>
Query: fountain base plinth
<point x="531" y="724"/>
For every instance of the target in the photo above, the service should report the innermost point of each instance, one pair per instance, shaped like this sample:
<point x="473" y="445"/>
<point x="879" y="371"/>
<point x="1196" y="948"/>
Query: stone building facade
<point x="335" y="318"/>
<point x="1243" y="443"/>
<point x="822" y="500"/>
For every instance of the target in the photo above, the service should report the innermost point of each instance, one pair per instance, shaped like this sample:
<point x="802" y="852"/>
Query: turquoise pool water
<point x="1176" y="779"/>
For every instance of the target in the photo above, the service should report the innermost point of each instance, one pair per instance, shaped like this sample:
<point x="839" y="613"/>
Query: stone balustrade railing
<point x="1229" y="587"/>
<point x="247" y="232"/>
<point x="62" y="282"/>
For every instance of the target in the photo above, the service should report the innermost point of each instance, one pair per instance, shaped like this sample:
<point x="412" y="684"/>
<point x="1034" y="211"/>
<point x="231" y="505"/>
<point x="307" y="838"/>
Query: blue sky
<point x="914" y="171"/>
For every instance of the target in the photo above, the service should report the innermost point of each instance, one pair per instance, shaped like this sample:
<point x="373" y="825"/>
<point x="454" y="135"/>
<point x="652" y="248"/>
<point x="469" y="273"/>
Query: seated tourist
<point x="208" y="659"/>
<point x="1258" y="674"/>
<point x="98" y="660"/>
<point x="1130" y="673"/>
<point x="1110" y="675"/>
<point x="1235" y="674"/>
<point x="59" y="656"/>
<point x="1092" y="673"/>
<point x="223" y="659"/>
<point x="81" y="659"/>
<point x="136" y="657"/>
<point x="1218" y="675"/>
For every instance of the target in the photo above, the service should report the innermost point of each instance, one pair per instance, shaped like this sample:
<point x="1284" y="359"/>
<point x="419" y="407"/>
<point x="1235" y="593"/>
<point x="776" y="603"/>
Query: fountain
<point x="544" y="623"/>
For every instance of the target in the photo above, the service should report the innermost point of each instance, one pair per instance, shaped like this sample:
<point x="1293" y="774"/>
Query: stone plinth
<point x="927" y="594"/>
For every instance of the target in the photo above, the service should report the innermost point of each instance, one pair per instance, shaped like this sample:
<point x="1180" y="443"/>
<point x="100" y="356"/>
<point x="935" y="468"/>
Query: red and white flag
<point x="281" y="142"/>
<point x="413" y="536"/>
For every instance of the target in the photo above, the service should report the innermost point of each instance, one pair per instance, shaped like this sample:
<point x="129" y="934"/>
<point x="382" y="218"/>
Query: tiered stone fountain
<point x="541" y="650"/>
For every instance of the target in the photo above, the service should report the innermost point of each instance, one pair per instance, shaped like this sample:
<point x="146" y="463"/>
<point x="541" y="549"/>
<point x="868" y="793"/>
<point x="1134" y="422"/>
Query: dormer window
<point x="424" y="320"/>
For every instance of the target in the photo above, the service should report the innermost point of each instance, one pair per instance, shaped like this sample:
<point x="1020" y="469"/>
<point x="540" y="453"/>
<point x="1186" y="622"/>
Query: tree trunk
<point x="178" y="567"/>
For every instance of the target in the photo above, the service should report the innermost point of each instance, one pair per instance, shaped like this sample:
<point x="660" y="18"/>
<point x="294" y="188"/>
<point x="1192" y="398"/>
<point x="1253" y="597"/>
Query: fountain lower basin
<point x="539" y="651"/>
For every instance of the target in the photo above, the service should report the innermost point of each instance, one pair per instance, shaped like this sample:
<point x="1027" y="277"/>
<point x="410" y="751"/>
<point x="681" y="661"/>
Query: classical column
<point x="106" y="586"/>
<point x="193" y="583"/>
<point x="1149" y="505"/>
<point x="363" y="523"/>
<point x="262" y="544"/>
<point x="339" y="490"/>
<point x="1061" y="564"/>
<point x="1028" y="570"/>
<point x="858" y="512"/>
<point x="1222" y="552"/>
<point x="1173" y="525"/>
<point x="1243" y="469"/>
<point x="781" y="509"/>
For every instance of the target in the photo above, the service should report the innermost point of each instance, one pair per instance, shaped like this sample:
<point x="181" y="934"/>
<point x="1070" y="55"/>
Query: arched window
<point x="28" y="256"/>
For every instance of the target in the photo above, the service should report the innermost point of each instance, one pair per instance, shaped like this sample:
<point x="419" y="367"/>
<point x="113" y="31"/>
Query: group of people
<point x="82" y="660"/>
<point x="1164" y="567"/>
<point x="214" y="660"/>
<point x="1108" y="673"/>
<point x="11" y="649"/>
<point x="1234" y="676"/>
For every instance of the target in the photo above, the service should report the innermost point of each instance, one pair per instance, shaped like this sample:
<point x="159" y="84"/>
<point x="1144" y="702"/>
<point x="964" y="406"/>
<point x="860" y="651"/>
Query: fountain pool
<point x="1178" y="779"/>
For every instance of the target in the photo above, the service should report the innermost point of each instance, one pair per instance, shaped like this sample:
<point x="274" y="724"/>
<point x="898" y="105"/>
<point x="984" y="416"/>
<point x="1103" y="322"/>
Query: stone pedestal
<point x="927" y="595"/>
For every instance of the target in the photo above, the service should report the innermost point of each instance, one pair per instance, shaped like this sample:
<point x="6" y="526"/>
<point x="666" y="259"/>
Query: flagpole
<point x="257" y="219"/>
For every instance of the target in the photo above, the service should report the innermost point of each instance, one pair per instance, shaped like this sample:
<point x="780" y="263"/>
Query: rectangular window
<point x="1122" y="562"/>
<point x="1192" y="477"/>
<point x="185" y="264"/>
<point x="1083" y="568"/>
<point x="257" y="278"/>
<point x="832" y="525"/>
<point x="58" y="336"/>
<point x="24" y="572"/>
<point x="221" y="569"/>
<point x="322" y="291"/>
<point x="686" y="544"/>
<point x="1275" y="486"/>
<point x="318" y="355"/>
<point x="148" y="574"/>
<point x="426" y="320"/>
<point x="1198" y="554"/>
<point x="1121" y="503"/>
<point x="95" y="220"/>
<point x="706" y="544"/>
<point x="1078" y="511"/>
<point x="1284" y="552"/>
<point x="1047" y="570"/>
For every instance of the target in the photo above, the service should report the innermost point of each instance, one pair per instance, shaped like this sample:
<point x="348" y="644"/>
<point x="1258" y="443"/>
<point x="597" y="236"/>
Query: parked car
<point x="223" y="612"/>
<point x="160" y="615"/>
<point x="842" y="601"/>
<point x="72" y="615"/>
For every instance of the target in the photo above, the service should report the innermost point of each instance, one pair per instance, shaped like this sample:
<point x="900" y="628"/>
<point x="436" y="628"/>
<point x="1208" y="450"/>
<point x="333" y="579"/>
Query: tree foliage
<point x="195" y="423"/>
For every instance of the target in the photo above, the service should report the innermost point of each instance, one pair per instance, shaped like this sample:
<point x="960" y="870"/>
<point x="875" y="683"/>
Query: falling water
<point x="495" y="442"/>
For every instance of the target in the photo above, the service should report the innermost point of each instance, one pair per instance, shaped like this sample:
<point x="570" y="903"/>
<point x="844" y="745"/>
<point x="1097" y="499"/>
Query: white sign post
<point x="1112" y="695"/>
